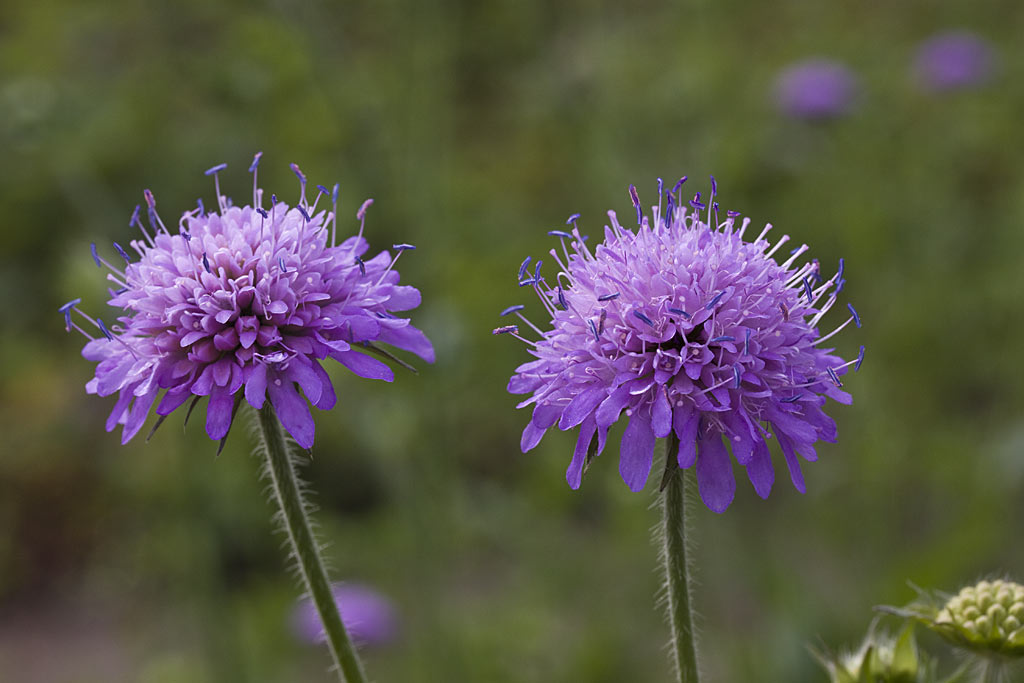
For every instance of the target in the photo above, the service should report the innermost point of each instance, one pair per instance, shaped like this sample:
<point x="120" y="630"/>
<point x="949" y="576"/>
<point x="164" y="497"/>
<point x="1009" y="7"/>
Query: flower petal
<point x="256" y="386"/>
<point x="661" y="415"/>
<point x="574" y="475"/>
<point x="293" y="411"/>
<point x="636" y="454"/>
<point x="363" y="365"/>
<point x="795" y="473"/>
<point x="531" y="436"/>
<point x="580" y="407"/>
<point x="760" y="470"/>
<point x="219" y="413"/>
<point x="685" y="420"/>
<point x="714" y="473"/>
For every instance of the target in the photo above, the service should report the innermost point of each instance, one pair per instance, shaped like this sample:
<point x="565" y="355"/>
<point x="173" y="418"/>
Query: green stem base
<point x="287" y="494"/>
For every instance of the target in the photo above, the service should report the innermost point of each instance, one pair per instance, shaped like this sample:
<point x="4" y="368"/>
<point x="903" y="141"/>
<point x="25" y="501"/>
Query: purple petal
<point x="714" y="473"/>
<point x="327" y="396"/>
<point x="608" y="412"/>
<point x="218" y="413"/>
<point x="410" y="339"/>
<point x="117" y="415"/>
<point x="293" y="411"/>
<point x="795" y="473"/>
<point x="137" y="415"/>
<point x="580" y="407"/>
<point x="685" y="420"/>
<point x="760" y="470"/>
<point x="256" y="386"/>
<point x="364" y="366"/>
<point x="661" y="415"/>
<point x="574" y="475"/>
<point x="637" y="452"/>
<point x="171" y="400"/>
<point x="306" y="378"/>
<point x="531" y="436"/>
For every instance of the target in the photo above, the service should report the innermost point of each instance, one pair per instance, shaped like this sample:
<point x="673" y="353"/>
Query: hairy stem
<point x="287" y="493"/>
<point x="677" y="578"/>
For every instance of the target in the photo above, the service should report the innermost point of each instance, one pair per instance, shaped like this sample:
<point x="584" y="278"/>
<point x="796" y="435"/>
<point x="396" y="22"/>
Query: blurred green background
<point x="477" y="127"/>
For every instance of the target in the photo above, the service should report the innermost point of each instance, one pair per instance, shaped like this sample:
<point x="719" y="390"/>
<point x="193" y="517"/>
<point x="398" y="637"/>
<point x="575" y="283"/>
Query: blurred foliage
<point x="477" y="127"/>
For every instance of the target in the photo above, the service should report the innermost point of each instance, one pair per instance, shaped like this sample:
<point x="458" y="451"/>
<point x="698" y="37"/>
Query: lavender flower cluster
<point x="244" y="301"/>
<point x="689" y="330"/>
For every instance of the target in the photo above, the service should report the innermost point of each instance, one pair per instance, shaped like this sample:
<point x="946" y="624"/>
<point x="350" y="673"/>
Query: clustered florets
<point x="691" y="332"/>
<point x="245" y="301"/>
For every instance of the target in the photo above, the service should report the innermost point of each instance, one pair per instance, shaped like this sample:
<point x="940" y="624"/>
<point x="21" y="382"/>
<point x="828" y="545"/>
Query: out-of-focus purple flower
<point x="369" y="617"/>
<point x="687" y="329"/>
<point x="815" y="89"/>
<point x="244" y="301"/>
<point x="953" y="61"/>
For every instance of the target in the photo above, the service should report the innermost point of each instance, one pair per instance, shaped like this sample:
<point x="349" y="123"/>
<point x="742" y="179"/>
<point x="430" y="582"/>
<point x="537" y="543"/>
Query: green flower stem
<point x="677" y="578"/>
<point x="287" y="493"/>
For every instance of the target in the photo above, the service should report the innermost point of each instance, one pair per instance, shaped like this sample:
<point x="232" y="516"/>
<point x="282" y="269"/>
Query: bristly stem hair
<point x="677" y="568"/>
<point x="286" y="489"/>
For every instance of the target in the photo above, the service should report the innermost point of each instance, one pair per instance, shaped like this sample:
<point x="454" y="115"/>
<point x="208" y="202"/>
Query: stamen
<point x="522" y="267"/>
<point x="711" y="304"/>
<point x="305" y="215"/>
<point x="736" y="376"/>
<point x="511" y="309"/>
<point x="834" y="377"/>
<point x="104" y="330"/>
<point x="362" y="266"/>
<point x="536" y="272"/>
<point x="609" y="297"/>
<point x="66" y="310"/>
<point x="323" y="190"/>
<point x="560" y="233"/>
<point x="644" y="318"/>
<point x="206" y="263"/>
<point x="154" y="217"/>
<point x="724" y="337"/>
<point x="122" y="252"/>
<point x="505" y="329"/>
<point x="860" y="359"/>
<point x="215" y="169"/>
<point x="561" y="299"/>
<point x="714" y="187"/>
<point x="95" y="256"/>
<point x="746" y="344"/>
<point x="302" y="182"/>
<point x="636" y="203"/>
<point x="600" y="323"/>
<point x="670" y="209"/>
<point x="572" y="219"/>
<point x="255" y="162"/>
<point x="807" y="289"/>
<point x="590" y="324"/>
<point x="678" y="184"/>
<point x="856" y="318"/>
<point x="833" y="332"/>
<point x="697" y="204"/>
<point x="679" y="311"/>
<point x="403" y="247"/>
<point x="792" y="399"/>
<point x="361" y="214"/>
<point x="785" y="311"/>
<point x="732" y="214"/>
<point x="527" y="282"/>
<point x="280" y="262"/>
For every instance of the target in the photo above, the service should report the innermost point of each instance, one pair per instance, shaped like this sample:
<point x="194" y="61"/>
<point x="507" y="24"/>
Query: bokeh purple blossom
<point x="815" y="89"/>
<point x="244" y="301"/>
<point x="953" y="61"/>
<point x="369" y="617"/>
<point x="687" y="329"/>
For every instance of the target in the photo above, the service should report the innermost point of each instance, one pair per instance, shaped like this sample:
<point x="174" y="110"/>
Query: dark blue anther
<point x="104" y="330"/>
<point x="840" y="283"/>
<point x="697" y="203"/>
<point x="273" y="200"/>
<point x="792" y="399"/>
<point x="807" y="289"/>
<point x="600" y="322"/>
<point x="215" y="169"/>
<point x="834" y="377"/>
<point x="151" y="217"/>
<point x="670" y="207"/>
<point x="280" y="262"/>
<point x="714" y="186"/>
<point x="793" y="251"/>
<point x="187" y="236"/>
<point x="644" y="318"/>
<point x="608" y="297"/>
<point x="511" y="309"/>
<point x="711" y="304"/>
<point x="403" y="247"/>
<point x="559" y="233"/>
<point x="572" y="219"/>
<point x="206" y="263"/>
<point x="842" y="267"/>
<point x="561" y="299"/>
<point x="522" y="267"/>
<point x="323" y="190"/>
<point x="636" y="203"/>
<point x="95" y="256"/>
<point x="303" y="212"/>
<point x="263" y="212"/>
<point x="202" y="209"/>
<point x="746" y="344"/>
<point x="150" y="199"/>
<point x="732" y="214"/>
<point x="135" y="215"/>
<point x="679" y="311"/>
<point x="679" y="184"/>
<point x="593" y="329"/>
<point x="362" y="266"/>
<point x="785" y="311"/>
<point x="856" y="318"/>
<point x="527" y="282"/>
<point x="255" y="162"/>
<point x="661" y="188"/>
<point x="505" y="329"/>
<point x="736" y="377"/>
<point x="122" y="252"/>
<point x="536" y="271"/>
<point x="298" y="172"/>
<point x="724" y="337"/>
<point x="860" y="359"/>
<point x="334" y="193"/>
<point x="69" y="305"/>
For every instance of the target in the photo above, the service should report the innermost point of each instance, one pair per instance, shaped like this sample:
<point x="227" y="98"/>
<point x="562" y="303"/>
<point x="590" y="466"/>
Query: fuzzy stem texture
<point x="677" y="578"/>
<point x="287" y="493"/>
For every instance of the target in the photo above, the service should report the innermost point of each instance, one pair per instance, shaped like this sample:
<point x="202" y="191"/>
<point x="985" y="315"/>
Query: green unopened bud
<point x="985" y="618"/>
<point x="880" y="659"/>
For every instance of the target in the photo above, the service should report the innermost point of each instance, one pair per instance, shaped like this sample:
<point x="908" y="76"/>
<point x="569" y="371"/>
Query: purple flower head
<point x="688" y="329"/>
<point x="244" y="301"/>
<point x="368" y="616"/>
<point x="953" y="61"/>
<point x="815" y="89"/>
